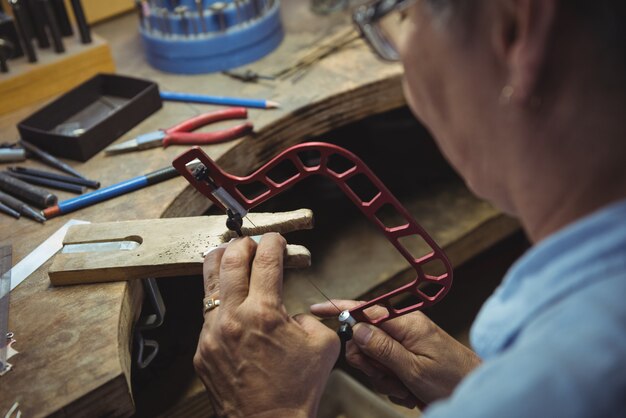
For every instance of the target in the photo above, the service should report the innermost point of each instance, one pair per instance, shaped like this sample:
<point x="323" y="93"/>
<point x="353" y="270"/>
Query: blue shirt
<point x="553" y="335"/>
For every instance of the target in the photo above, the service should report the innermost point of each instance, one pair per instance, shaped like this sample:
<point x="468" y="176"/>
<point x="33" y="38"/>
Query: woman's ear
<point x="521" y="38"/>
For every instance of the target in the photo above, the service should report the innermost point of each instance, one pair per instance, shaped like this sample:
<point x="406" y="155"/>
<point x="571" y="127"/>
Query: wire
<point x="323" y="294"/>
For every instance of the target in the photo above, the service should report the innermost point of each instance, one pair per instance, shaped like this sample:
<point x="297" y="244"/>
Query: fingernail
<point x="362" y="333"/>
<point x="318" y="305"/>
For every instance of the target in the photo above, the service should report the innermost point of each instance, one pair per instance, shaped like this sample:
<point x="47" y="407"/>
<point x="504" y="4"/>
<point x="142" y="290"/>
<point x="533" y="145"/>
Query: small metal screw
<point x="201" y="173"/>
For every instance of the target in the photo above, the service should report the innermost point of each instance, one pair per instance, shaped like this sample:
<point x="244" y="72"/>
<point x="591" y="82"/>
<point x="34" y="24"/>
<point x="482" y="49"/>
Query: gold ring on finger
<point x="210" y="304"/>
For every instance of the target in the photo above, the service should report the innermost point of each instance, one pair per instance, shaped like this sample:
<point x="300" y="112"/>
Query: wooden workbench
<point x="74" y="342"/>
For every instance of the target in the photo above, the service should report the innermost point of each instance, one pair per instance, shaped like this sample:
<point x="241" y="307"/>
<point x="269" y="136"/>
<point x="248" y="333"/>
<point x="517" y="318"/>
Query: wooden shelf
<point x="95" y="10"/>
<point x="29" y="84"/>
<point x="98" y="10"/>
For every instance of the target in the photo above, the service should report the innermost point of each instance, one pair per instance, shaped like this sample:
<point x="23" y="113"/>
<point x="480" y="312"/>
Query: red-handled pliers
<point x="182" y="134"/>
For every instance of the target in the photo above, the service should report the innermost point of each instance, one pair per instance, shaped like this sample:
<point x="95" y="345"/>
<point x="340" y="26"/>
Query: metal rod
<point x="62" y="18"/>
<point x="21" y="207"/>
<point x="6" y="51"/>
<point x="35" y="195"/>
<point x="23" y="29"/>
<point x="181" y="11"/>
<point x="55" y="184"/>
<point x="200" y="10"/>
<point x="218" y="10"/>
<point x="54" y="176"/>
<point x="53" y="26"/>
<point x="49" y="159"/>
<point x="81" y="21"/>
<point x="38" y="20"/>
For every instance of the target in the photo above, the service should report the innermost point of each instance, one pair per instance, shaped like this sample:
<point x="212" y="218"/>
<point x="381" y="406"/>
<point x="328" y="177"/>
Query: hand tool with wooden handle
<point x="168" y="247"/>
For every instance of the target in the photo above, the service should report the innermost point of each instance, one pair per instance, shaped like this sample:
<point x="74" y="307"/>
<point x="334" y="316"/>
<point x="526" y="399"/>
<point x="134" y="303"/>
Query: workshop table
<point x="74" y="342"/>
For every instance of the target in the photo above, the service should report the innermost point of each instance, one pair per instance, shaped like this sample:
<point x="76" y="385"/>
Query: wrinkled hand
<point x="409" y="358"/>
<point x="253" y="358"/>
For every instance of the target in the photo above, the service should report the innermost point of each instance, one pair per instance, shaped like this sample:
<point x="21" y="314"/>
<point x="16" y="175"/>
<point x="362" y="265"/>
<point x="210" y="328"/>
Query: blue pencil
<point x="110" y="192"/>
<point x="218" y="100"/>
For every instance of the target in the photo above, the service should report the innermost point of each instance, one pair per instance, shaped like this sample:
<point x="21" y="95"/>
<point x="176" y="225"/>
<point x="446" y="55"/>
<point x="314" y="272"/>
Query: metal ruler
<point x="41" y="254"/>
<point x="5" y="293"/>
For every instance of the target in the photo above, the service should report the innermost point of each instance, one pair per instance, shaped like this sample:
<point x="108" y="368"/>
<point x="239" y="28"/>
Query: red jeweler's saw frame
<point x="232" y="193"/>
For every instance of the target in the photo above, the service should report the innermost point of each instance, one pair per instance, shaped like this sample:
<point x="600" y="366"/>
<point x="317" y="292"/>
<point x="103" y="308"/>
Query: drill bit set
<point x="201" y="36"/>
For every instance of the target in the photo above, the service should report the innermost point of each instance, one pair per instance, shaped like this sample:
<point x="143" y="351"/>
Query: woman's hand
<point x="409" y="358"/>
<point x="253" y="358"/>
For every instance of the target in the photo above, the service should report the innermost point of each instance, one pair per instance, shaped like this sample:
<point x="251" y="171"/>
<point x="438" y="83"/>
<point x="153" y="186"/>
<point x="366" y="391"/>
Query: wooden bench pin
<point x="170" y="247"/>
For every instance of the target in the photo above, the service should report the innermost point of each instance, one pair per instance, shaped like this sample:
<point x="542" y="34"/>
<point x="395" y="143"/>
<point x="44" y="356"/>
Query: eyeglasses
<point x="379" y="25"/>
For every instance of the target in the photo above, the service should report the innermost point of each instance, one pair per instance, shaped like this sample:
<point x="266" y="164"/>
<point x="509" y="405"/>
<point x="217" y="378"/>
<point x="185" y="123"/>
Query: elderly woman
<point x="527" y="100"/>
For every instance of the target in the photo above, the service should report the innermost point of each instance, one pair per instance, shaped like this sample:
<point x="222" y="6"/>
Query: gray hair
<point x="604" y="18"/>
<point x="607" y="19"/>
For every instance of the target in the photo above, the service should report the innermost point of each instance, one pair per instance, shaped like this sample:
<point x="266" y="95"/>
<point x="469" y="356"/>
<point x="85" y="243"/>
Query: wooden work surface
<point x="74" y="342"/>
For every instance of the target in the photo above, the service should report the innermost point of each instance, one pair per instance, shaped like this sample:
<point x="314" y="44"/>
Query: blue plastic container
<point x="187" y="42"/>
